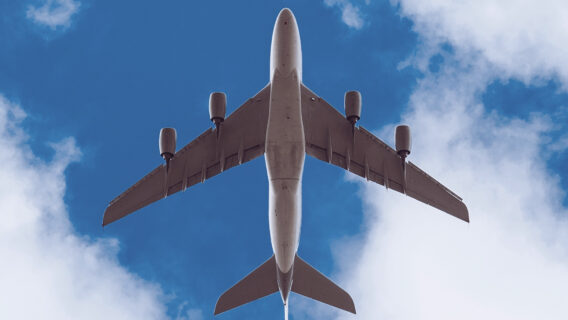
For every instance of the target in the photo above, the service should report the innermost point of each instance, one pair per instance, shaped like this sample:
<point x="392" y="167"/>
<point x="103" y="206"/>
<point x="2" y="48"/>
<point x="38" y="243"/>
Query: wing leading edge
<point x="330" y="137"/>
<point x="240" y="139"/>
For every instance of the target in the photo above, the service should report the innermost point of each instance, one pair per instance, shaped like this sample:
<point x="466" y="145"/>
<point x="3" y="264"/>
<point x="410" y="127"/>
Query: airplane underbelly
<point x="285" y="154"/>
<point x="285" y="214"/>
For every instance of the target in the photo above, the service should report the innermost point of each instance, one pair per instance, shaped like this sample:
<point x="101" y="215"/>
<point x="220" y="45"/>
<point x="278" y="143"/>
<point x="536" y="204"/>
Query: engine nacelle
<point x="353" y="106"/>
<point x="168" y="137"/>
<point x="217" y="107"/>
<point x="403" y="140"/>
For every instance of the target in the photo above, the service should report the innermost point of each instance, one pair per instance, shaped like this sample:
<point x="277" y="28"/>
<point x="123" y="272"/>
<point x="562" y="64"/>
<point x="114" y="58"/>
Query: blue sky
<point x="86" y="85"/>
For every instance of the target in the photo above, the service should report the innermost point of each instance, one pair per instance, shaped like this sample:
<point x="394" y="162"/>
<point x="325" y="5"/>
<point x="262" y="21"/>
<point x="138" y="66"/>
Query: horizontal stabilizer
<point x="311" y="283"/>
<point x="259" y="283"/>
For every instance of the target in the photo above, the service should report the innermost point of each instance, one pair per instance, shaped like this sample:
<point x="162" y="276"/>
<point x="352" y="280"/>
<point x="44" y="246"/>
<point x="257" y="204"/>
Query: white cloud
<point x="189" y="314"/>
<point x="350" y="14"/>
<point x="53" y="13"/>
<point x="48" y="271"/>
<point x="526" y="40"/>
<point x="511" y="262"/>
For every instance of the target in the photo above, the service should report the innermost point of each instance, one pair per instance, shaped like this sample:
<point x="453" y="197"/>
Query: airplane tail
<point x="311" y="283"/>
<point x="262" y="281"/>
<point x="257" y="284"/>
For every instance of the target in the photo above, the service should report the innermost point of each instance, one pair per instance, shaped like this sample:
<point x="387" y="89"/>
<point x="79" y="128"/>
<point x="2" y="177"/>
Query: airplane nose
<point x="285" y="15"/>
<point x="286" y="52"/>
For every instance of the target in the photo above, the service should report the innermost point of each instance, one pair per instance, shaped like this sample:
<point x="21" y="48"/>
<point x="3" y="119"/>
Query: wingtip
<point x="351" y="308"/>
<point x="218" y="308"/>
<point x="106" y="218"/>
<point x="217" y="311"/>
<point x="466" y="213"/>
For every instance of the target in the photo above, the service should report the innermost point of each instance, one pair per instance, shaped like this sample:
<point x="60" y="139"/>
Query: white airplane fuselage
<point x="285" y="147"/>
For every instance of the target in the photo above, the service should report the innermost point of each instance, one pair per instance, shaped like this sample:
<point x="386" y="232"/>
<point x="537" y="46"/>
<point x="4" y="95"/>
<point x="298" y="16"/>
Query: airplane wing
<point x="331" y="138"/>
<point x="240" y="139"/>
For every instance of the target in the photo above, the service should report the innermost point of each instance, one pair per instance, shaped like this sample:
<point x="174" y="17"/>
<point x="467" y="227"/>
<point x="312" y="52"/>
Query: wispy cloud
<point x="350" y="13"/>
<point x="53" y="13"/>
<point x="525" y="40"/>
<point x="48" y="271"/>
<point x="511" y="262"/>
<point x="189" y="313"/>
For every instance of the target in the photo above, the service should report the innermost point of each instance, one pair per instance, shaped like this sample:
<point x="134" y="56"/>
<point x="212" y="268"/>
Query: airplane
<point x="285" y="121"/>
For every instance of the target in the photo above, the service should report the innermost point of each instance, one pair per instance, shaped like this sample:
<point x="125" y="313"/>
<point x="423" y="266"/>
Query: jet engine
<point x="403" y="140"/>
<point x="353" y="106"/>
<point x="217" y="107"/>
<point x="168" y="137"/>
